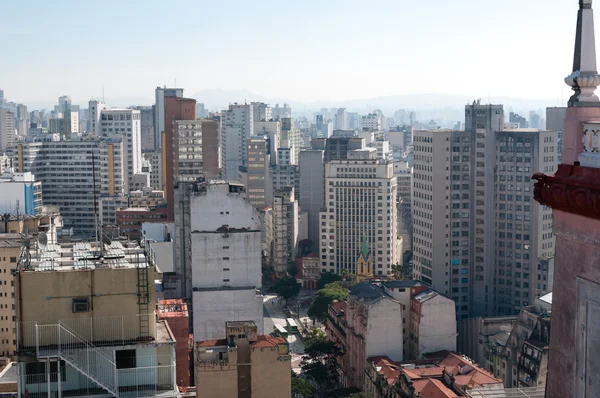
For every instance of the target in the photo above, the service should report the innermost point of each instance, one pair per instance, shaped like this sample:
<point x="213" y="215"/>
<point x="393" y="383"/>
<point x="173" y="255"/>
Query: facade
<point x="280" y="112"/>
<point x="360" y="200"/>
<point x="10" y="249"/>
<point x="175" y="313"/>
<point x="20" y="193"/>
<point x="290" y="138"/>
<point x="311" y="195"/>
<point x="160" y="122"/>
<point x="8" y="134"/>
<point x="59" y="165"/>
<point x="266" y="228"/>
<point x="310" y="270"/>
<point x="284" y="172"/>
<point x="238" y="127"/>
<point x="337" y="148"/>
<point x="404" y="176"/>
<point x="152" y="164"/>
<point x="262" y="112"/>
<point x="220" y="270"/>
<point x="196" y="150"/>
<point x="476" y="335"/>
<point x="257" y="177"/>
<point x="147" y="129"/>
<point x="433" y="324"/>
<point x="370" y="122"/>
<point x="95" y="109"/>
<point x="126" y="125"/>
<point x="285" y="230"/>
<point x="341" y="119"/>
<point x="130" y="219"/>
<point x="244" y="364"/>
<point x="368" y="324"/>
<point x="86" y="323"/>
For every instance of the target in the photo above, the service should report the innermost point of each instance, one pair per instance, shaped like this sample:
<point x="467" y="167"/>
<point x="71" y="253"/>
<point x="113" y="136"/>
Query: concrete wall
<point x="217" y="382"/>
<point x="271" y="378"/>
<point x="219" y="207"/>
<point x="437" y="329"/>
<point x="213" y="308"/>
<point x="383" y="335"/>
<point x="311" y="197"/>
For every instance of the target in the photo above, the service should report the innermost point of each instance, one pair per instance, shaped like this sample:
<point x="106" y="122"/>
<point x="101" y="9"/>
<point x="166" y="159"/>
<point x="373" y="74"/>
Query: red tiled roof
<point x="211" y="343"/>
<point x="339" y="306"/>
<point x="267" y="341"/>
<point x="436" y="389"/>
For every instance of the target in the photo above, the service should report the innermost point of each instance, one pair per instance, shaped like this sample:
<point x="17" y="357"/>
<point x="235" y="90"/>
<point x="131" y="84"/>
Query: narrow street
<point x="274" y="314"/>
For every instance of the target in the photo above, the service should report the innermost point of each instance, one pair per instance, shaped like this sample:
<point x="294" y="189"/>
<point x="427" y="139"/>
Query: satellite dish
<point x="106" y="240"/>
<point x="42" y="240"/>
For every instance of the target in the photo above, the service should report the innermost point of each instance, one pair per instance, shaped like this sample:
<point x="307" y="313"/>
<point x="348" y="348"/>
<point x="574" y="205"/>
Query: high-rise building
<point x="262" y="112"/>
<point x="257" y="177"/>
<point x="311" y="195"/>
<point x="238" y="127"/>
<point x="341" y="119"/>
<point x="555" y="121"/>
<point x="285" y="171"/>
<point x="152" y="164"/>
<point x="125" y="124"/>
<point x="95" y="109"/>
<point x="160" y="123"/>
<point x="360" y="203"/>
<point x="146" y="127"/>
<point x="200" y="110"/>
<point x="175" y="108"/>
<point x="370" y="122"/>
<point x="534" y="120"/>
<point x="22" y="120"/>
<point x="279" y="113"/>
<point x="336" y="148"/>
<point x="196" y="150"/>
<point x="8" y="134"/>
<point x="290" y="137"/>
<point x="67" y="175"/>
<point x="285" y="230"/>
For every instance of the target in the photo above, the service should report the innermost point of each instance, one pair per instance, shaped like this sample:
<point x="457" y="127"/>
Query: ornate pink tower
<point x="574" y="195"/>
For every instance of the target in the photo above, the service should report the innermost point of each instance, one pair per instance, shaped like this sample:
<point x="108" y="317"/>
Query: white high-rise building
<point x="95" y="109"/>
<point x="279" y="113"/>
<point x="370" y="122"/>
<point x="225" y="247"/>
<point x="360" y="201"/>
<point x="238" y="127"/>
<point x="262" y="112"/>
<point x="159" y="111"/>
<point x="125" y="124"/>
<point x="285" y="229"/>
<point x="341" y="119"/>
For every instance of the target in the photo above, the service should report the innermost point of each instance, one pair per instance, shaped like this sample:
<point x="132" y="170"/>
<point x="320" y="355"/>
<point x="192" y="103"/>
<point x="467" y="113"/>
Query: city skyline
<point x="394" y="48"/>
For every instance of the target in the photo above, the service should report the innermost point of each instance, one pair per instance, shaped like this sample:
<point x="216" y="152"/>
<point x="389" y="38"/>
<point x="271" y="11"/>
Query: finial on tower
<point x="584" y="78"/>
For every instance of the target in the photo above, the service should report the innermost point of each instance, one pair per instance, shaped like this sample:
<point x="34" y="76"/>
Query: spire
<point x="364" y="251"/>
<point x="584" y="78"/>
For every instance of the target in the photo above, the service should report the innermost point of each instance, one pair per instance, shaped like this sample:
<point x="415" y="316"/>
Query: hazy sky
<point x="301" y="49"/>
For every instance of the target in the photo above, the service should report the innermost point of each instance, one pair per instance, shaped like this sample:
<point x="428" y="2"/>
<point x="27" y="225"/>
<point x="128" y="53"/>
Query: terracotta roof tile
<point x="436" y="389"/>
<point x="267" y="341"/>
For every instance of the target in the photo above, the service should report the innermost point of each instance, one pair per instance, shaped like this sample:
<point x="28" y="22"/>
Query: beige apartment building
<point x="244" y="364"/>
<point x="10" y="248"/>
<point x="478" y="238"/>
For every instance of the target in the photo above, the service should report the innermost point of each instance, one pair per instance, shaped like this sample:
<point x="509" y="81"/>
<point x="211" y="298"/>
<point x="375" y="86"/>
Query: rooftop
<point x="212" y="343"/>
<point x="402" y="284"/>
<point x="426" y="295"/>
<point x="264" y="341"/>
<point x="522" y="130"/>
<point x="531" y="392"/>
<point x="11" y="240"/>
<point x="368" y="292"/>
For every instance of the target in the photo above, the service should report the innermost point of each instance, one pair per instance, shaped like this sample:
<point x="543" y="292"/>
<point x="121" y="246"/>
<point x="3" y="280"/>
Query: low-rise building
<point x="244" y="364"/>
<point x="441" y="374"/>
<point x="309" y="270"/>
<point x="86" y="322"/>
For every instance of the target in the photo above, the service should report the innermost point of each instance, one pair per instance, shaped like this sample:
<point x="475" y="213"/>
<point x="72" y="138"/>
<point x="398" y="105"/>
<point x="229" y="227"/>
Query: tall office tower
<point x="279" y="113"/>
<point x="8" y="136"/>
<point x="238" y="127"/>
<point x="337" y="148"/>
<point x="175" y="108"/>
<point x="341" y="119"/>
<point x="95" y="109"/>
<point x="159" y="111"/>
<point x="524" y="238"/>
<point x="218" y="256"/>
<point x="22" y="120"/>
<point x="146" y="127"/>
<point x="285" y="230"/>
<point x="67" y="176"/>
<point x="555" y="121"/>
<point x="257" y="175"/>
<point x="262" y="112"/>
<point x="2" y="99"/>
<point x="272" y="131"/>
<point x="370" y="122"/>
<point x="353" y="121"/>
<point x="64" y="104"/>
<point x="482" y="121"/>
<point x="196" y="150"/>
<point x="311" y="196"/>
<point x="290" y="137"/>
<point x="534" y="120"/>
<point x="284" y="172"/>
<point x="360" y="205"/>
<point x="200" y="110"/>
<point x="125" y="124"/>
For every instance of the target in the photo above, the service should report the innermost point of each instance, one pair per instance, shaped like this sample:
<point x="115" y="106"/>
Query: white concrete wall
<point x="213" y="308"/>
<point x="384" y="330"/>
<point x="437" y="329"/>
<point x="218" y="207"/>
<point x="218" y="261"/>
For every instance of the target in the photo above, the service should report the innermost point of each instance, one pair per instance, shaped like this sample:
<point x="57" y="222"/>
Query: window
<point x="80" y="304"/>
<point x="125" y="359"/>
<point x="36" y="372"/>
<point x="13" y="259"/>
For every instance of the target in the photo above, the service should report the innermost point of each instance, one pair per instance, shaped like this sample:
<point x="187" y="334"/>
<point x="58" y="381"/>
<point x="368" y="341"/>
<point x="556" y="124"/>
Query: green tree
<point x="293" y="270"/>
<point x="287" y="288"/>
<point x="320" y="305"/>
<point x="301" y="388"/>
<point x="327" y="278"/>
<point x="319" y="364"/>
<point x="314" y="335"/>
<point x="398" y="271"/>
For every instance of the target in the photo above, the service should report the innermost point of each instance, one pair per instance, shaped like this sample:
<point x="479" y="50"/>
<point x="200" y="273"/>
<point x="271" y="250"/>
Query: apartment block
<point x="244" y="364"/>
<point x="360" y="201"/>
<point x="152" y="164"/>
<point x="160" y="112"/>
<point x="238" y="127"/>
<point x="86" y="322"/>
<point x="291" y="138"/>
<point x="147" y="130"/>
<point x="66" y="171"/>
<point x="11" y="245"/>
<point x="196" y="150"/>
<point x="285" y="230"/>
<point x="256" y="177"/>
<point x="8" y="134"/>
<point x="285" y="171"/>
